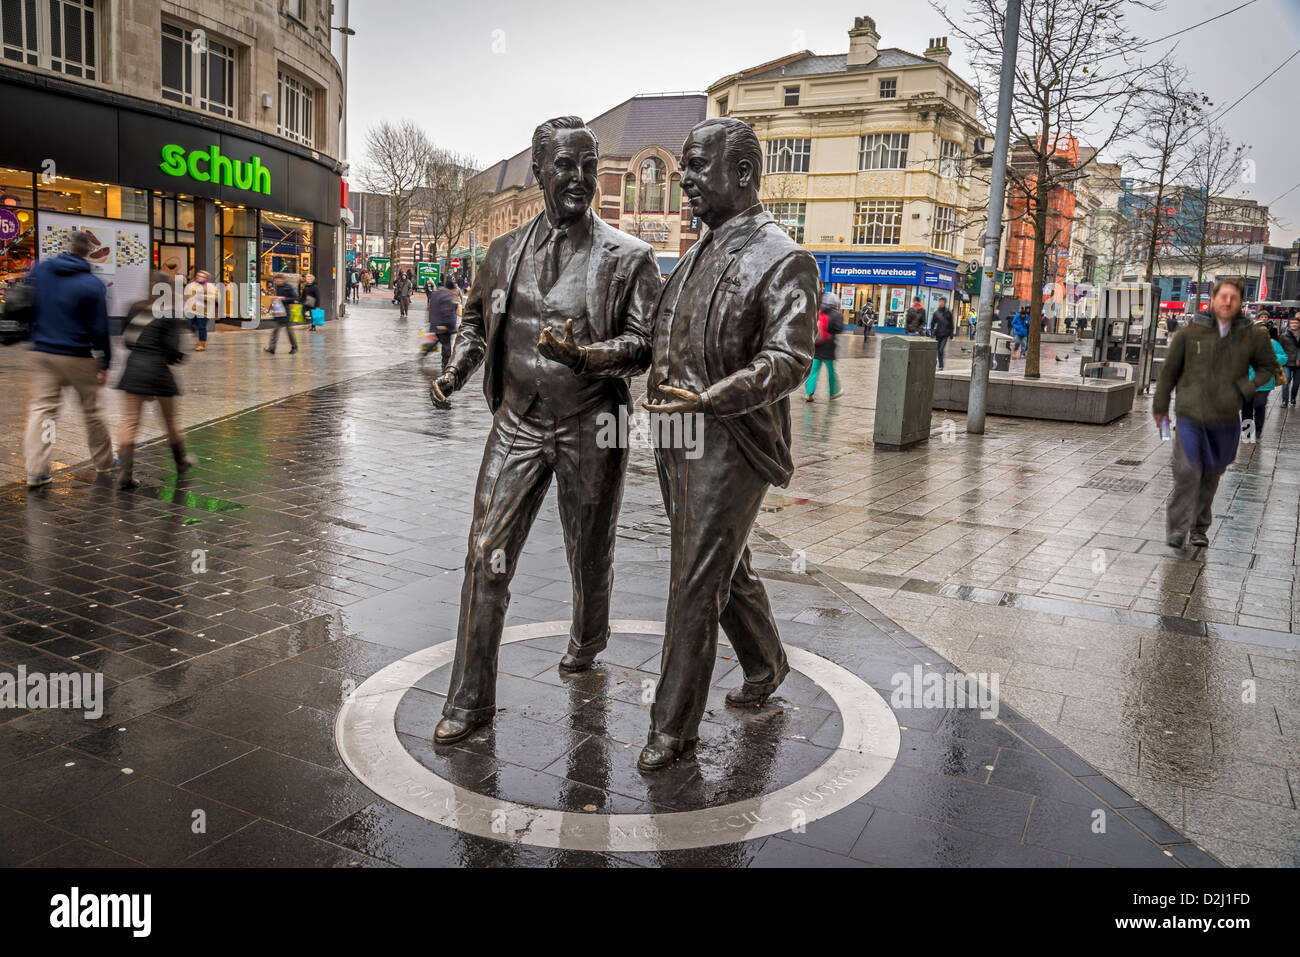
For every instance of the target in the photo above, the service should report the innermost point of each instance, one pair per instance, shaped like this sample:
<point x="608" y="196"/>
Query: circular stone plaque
<point x="367" y="741"/>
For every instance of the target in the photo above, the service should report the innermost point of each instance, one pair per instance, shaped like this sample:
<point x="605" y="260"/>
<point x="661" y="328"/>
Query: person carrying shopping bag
<point x="282" y="302"/>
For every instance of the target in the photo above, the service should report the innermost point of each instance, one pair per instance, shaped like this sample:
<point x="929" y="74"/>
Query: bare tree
<point x="1211" y="173"/>
<point x="1168" y="113"/>
<point x="1077" y="79"/>
<point x="397" y="158"/>
<point x="454" y="199"/>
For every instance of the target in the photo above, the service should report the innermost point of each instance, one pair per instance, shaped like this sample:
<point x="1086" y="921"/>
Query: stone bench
<point x="1093" y="401"/>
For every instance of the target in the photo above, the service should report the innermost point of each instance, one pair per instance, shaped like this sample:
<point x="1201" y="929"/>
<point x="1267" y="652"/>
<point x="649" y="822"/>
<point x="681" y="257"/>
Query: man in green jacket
<point x="1209" y="364"/>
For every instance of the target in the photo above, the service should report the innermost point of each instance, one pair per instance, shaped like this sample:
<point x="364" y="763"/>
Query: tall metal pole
<point x="979" y="370"/>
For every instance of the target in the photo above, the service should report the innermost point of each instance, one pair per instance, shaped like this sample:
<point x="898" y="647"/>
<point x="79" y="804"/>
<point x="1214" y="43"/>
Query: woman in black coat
<point x="153" y="335"/>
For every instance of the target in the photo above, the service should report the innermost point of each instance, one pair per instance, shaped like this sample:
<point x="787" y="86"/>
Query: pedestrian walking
<point x="311" y="301"/>
<point x="866" y="317"/>
<point x="1171" y="326"/>
<point x="1020" y="330"/>
<point x="1290" y="340"/>
<point x="283" y="299"/>
<point x="971" y="320"/>
<point x="1254" y="408"/>
<point x="942" y="326"/>
<point x="914" y="321"/>
<point x="442" y="318"/>
<point x="830" y="323"/>
<point x="153" y="335"/>
<point x="1207" y="364"/>
<point x="70" y="339"/>
<point x="402" y="293"/>
<point x="200" y="306"/>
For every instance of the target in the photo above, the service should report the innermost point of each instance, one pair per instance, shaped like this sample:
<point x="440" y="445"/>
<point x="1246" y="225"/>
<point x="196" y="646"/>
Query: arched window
<point x="675" y="194"/>
<point x="652" y="186"/>
<point x="629" y="194"/>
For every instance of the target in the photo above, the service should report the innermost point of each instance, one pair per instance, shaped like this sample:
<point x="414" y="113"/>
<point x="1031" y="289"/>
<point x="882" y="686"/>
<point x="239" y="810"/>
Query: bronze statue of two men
<point x="564" y="310"/>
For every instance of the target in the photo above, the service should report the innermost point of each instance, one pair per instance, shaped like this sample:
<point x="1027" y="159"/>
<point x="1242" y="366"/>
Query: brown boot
<point x="126" y="465"/>
<point x="184" y="461"/>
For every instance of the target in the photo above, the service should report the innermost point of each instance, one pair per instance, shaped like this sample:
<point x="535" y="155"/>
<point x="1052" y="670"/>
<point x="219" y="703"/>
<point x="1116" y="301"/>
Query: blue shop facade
<point x="888" y="281"/>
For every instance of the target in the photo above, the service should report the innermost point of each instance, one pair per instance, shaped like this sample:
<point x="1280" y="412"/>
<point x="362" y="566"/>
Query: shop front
<point x="889" y="283"/>
<point x="159" y="188"/>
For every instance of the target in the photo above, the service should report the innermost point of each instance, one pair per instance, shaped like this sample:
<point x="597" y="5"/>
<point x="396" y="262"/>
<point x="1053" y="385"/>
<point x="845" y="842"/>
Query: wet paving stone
<point x="326" y="562"/>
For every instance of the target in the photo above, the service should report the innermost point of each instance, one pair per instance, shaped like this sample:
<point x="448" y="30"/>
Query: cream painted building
<point x="868" y="164"/>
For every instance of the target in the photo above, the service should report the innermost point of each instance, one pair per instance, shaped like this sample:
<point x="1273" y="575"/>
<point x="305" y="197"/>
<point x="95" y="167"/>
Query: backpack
<point x="823" y="328"/>
<point x="17" y="314"/>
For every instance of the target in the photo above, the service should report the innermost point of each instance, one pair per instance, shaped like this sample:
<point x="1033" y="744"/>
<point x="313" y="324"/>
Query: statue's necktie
<point x="552" y="262"/>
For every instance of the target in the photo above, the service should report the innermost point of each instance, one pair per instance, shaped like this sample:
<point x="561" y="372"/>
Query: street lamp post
<point x="341" y="258"/>
<point x="979" y="370"/>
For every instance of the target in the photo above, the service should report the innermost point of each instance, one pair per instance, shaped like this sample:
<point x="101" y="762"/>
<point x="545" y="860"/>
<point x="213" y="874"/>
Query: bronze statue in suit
<point x="559" y="316"/>
<point x="733" y="336"/>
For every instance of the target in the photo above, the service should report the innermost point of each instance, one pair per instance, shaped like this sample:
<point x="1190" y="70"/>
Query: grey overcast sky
<point x="480" y="75"/>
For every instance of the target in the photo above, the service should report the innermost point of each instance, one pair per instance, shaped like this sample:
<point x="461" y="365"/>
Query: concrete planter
<point x="1092" y="401"/>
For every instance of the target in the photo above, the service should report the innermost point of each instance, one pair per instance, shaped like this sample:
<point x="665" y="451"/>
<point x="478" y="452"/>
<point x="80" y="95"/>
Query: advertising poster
<point x="119" y="253"/>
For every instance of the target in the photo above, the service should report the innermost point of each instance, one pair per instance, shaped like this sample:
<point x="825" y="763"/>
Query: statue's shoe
<point x="572" y="664"/>
<point x="747" y="697"/>
<point x="451" y="730"/>
<point x="657" y="756"/>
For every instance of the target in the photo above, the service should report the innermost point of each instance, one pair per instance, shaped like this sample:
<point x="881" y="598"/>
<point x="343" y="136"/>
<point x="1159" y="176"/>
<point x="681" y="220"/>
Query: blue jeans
<point x="1292" y="387"/>
<point x="199" y="326"/>
<point x="1021" y="343"/>
<point x="816" y="372"/>
<point x="943" y="341"/>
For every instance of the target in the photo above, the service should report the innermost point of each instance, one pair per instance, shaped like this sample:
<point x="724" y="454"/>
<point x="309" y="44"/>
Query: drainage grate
<point x="1128" y="461"/>
<point x="1111" y="483"/>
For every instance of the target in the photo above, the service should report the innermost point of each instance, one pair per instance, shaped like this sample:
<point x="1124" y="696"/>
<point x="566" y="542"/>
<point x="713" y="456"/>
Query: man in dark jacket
<point x="555" y="407"/>
<point x="942" y="326"/>
<point x="442" y="318"/>
<point x="733" y="337"/>
<point x="914" y="321"/>
<point x="70" y="342"/>
<point x="1208" y="363"/>
<point x="824" y="351"/>
<point x="1290" y="340"/>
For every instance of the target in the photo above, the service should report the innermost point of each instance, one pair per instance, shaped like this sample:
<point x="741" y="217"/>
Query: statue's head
<point x="722" y="165"/>
<point x="564" y="165"/>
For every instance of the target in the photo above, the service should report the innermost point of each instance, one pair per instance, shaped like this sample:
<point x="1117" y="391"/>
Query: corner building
<point x="868" y="165"/>
<point x="202" y="135"/>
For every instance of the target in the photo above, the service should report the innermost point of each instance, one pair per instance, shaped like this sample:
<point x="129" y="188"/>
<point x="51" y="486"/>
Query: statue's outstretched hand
<point x="678" y="400"/>
<point x="565" y="351"/>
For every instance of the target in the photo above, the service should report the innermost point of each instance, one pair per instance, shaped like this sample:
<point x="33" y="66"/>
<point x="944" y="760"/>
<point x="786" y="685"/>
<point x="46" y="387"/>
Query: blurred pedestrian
<point x="310" y="300"/>
<point x="942" y="326"/>
<point x="866" y="317"/>
<point x="1290" y="340"/>
<point x="283" y="299"/>
<point x="1254" y="408"/>
<point x="830" y="323"/>
<point x="1207" y="363"/>
<point x="70" y="339"/>
<point x="153" y="335"/>
<point x="1020" y="329"/>
<point x="200" y="306"/>
<point x="442" y="318"/>
<point x="914" y="321"/>
<point x="402" y="293"/>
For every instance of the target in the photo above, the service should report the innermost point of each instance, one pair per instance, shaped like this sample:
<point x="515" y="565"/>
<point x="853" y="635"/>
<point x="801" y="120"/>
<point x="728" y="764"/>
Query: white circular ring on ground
<point x="367" y="741"/>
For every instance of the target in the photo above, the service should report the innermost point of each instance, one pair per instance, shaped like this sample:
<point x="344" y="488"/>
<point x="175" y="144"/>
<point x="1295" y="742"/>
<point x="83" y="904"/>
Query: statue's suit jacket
<point x="761" y="327"/>
<point x="622" y="286"/>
